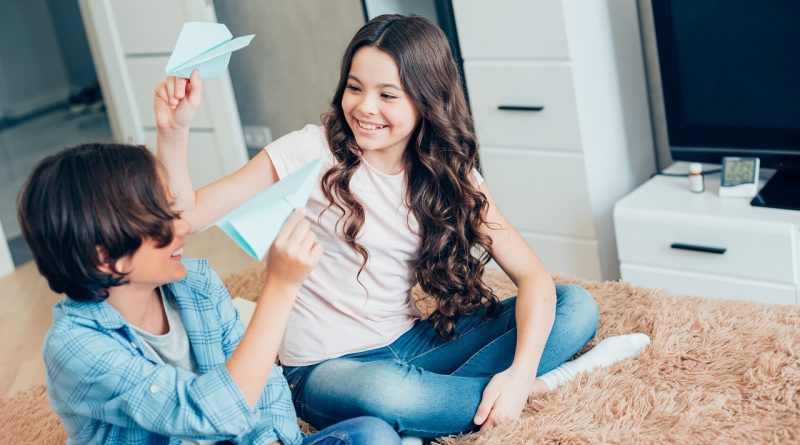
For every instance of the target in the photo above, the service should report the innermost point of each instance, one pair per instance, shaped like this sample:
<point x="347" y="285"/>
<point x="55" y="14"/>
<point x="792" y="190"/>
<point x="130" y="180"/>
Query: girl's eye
<point x="352" y="87"/>
<point x="388" y="96"/>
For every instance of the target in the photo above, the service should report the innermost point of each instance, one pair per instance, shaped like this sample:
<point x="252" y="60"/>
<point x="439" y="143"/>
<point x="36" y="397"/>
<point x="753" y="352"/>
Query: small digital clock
<point x="739" y="177"/>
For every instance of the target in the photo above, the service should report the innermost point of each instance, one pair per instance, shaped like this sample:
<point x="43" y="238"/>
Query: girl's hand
<point x="503" y="399"/>
<point x="294" y="253"/>
<point x="177" y="101"/>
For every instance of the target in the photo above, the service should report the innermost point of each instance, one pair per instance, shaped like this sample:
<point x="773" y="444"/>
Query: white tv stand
<point x="752" y="252"/>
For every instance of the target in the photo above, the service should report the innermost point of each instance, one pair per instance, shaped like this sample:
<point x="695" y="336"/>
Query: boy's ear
<point x="102" y="265"/>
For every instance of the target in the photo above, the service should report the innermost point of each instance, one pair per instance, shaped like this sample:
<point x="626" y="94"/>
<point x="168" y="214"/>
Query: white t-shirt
<point x="333" y="315"/>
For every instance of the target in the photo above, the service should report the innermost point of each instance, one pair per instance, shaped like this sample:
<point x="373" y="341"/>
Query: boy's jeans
<point x="429" y="387"/>
<point x="358" y="431"/>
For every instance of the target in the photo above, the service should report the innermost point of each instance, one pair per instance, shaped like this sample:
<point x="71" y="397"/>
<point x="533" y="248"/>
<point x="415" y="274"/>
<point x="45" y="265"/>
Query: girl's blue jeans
<point x="425" y="386"/>
<point x="358" y="431"/>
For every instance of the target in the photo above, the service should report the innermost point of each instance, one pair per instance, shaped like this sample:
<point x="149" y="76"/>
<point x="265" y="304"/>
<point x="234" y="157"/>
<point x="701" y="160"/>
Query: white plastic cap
<point x="695" y="167"/>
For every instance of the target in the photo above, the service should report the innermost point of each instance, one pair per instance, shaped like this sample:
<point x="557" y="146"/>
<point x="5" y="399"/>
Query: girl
<point x="400" y="202"/>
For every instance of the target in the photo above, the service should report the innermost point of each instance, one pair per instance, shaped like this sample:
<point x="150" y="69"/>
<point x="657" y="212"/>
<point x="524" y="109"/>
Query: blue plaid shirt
<point x="107" y="387"/>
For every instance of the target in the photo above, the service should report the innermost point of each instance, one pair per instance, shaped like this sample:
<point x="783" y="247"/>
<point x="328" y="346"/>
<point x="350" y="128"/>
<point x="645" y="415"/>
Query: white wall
<point x="33" y="74"/>
<point x="71" y="35"/>
<point x="425" y="8"/>
<point x="287" y="76"/>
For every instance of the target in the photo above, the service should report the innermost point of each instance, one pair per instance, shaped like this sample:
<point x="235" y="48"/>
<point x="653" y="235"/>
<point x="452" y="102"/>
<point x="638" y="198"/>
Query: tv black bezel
<point x="777" y="148"/>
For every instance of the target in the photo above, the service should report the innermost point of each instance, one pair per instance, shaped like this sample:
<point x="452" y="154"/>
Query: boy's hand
<point x="177" y="101"/>
<point x="294" y="253"/>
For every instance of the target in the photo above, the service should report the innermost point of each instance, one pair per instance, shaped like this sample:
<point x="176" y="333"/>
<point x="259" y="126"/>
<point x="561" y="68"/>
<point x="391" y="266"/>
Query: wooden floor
<point x="26" y="301"/>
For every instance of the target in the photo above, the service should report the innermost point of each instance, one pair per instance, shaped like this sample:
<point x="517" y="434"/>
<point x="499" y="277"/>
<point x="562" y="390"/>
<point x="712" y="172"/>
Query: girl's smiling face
<point x="380" y="114"/>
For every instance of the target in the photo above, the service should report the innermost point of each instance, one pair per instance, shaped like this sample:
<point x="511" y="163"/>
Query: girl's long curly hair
<point x="439" y="163"/>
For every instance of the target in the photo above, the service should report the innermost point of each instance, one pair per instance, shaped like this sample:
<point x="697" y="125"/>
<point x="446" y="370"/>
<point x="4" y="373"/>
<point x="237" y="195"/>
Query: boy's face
<point x="153" y="266"/>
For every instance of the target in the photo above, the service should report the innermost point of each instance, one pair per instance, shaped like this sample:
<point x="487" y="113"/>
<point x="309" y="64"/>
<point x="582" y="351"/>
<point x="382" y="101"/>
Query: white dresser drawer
<point x="511" y="29"/>
<point x="711" y="286"/>
<point x="744" y="249"/>
<point x="516" y="179"/>
<point x="565" y="256"/>
<point x="494" y="86"/>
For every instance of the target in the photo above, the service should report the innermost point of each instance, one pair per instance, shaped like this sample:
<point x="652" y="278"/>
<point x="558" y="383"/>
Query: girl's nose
<point x="368" y="105"/>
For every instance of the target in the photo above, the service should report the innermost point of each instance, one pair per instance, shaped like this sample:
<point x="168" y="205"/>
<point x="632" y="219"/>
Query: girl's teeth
<point x="369" y="126"/>
<point x="178" y="252"/>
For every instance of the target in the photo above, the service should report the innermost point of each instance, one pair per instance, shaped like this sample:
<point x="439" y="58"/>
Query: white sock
<point x="411" y="440"/>
<point x="609" y="351"/>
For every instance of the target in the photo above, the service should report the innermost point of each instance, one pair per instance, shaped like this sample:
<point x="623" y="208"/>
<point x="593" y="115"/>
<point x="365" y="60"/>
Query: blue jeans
<point x="425" y="386"/>
<point x="358" y="431"/>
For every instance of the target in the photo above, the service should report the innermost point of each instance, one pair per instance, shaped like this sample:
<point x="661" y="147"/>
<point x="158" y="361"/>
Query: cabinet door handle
<point x="520" y="107"/>
<point x="696" y="248"/>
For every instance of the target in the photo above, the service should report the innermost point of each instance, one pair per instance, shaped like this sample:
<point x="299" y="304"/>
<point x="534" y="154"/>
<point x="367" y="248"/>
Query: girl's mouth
<point x="369" y="127"/>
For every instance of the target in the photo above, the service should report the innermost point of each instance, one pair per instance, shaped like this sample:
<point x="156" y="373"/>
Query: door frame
<point x="6" y="262"/>
<point x="116" y="85"/>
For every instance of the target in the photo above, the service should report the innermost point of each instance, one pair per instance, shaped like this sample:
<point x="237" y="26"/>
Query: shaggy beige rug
<point x="716" y="372"/>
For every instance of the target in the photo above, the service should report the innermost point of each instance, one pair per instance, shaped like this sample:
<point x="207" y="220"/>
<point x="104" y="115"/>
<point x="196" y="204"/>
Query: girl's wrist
<point x="522" y="373"/>
<point x="172" y="133"/>
<point x="168" y="141"/>
<point x="279" y="287"/>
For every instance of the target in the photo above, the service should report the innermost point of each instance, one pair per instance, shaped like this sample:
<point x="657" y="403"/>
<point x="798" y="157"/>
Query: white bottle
<point x="696" y="177"/>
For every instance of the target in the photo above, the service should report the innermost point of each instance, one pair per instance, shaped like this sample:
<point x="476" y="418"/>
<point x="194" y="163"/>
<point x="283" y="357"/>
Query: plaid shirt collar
<point x="109" y="318"/>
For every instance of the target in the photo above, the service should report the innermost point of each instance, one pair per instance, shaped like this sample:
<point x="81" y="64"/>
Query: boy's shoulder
<point x="82" y="331"/>
<point x="69" y="316"/>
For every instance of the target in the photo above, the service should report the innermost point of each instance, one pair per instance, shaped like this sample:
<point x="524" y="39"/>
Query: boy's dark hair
<point x="90" y="205"/>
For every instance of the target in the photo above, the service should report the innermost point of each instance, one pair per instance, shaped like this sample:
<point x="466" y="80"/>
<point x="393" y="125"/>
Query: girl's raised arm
<point x="176" y="103"/>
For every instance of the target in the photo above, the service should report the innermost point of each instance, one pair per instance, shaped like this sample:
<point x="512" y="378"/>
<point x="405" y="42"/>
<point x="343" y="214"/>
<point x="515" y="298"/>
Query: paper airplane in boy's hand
<point x="255" y="225"/>
<point x="205" y="46"/>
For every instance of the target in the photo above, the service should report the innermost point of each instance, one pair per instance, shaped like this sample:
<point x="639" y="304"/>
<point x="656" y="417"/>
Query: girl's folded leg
<point x="413" y="401"/>
<point x="574" y="325"/>
<point x="391" y="383"/>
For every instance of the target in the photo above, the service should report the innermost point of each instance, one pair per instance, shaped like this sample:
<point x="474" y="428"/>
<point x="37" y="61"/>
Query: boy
<point x="148" y="347"/>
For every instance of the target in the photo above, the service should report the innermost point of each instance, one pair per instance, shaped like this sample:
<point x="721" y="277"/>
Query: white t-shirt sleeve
<point x="478" y="177"/>
<point x="296" y="149"/>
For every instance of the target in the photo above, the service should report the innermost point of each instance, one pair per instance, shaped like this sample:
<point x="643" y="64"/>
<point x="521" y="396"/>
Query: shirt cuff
<point x="220" y="399"/>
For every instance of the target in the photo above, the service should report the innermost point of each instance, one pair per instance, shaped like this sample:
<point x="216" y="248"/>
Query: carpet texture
<point x="715" y="372"/>
<point x="26" y="418"/>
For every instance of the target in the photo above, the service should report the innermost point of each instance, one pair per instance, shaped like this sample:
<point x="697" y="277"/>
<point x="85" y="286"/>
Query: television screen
<point x="731" y="78"/>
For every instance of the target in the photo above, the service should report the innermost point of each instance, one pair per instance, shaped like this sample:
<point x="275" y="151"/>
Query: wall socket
<point x="257" y="136"/>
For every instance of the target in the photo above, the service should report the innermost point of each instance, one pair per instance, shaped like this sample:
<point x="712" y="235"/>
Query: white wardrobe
<point x="557" y="91"/>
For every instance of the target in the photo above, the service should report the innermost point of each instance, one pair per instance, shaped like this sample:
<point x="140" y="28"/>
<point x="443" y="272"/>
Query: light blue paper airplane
<point x="205" y="46"/>
<point x="255" y="224"/>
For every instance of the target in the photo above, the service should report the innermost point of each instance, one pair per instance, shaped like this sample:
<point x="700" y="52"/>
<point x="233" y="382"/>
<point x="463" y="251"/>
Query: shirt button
<point x="153" y="389"/>
<point x="133" y="345"/>
<point x="291" y="386"/>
